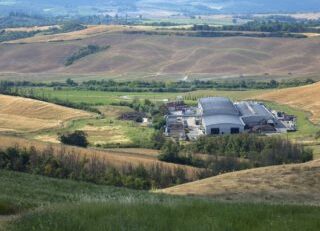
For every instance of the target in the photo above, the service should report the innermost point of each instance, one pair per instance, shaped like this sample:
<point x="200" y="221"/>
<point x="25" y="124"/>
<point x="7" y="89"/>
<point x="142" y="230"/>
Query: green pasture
<point x="49" y="204"/>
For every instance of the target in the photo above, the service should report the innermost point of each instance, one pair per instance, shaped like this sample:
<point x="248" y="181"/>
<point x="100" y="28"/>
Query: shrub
<point x="76" y="138"/>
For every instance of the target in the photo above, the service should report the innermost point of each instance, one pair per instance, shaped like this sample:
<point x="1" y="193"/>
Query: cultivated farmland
<point x="25" y="115"/>
<point x="168" y="57"/>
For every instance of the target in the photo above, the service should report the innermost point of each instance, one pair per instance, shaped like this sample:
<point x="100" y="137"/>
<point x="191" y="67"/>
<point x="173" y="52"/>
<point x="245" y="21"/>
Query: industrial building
<point x="255" y="113"/>
<point x="219" y="115"/>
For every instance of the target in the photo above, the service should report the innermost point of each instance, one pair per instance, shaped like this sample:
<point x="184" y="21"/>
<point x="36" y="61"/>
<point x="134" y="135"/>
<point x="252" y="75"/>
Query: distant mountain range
<point x="159" y="7"/>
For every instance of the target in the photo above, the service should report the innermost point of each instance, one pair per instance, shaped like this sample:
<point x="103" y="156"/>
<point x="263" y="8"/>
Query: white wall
<point x="224" y="128"/>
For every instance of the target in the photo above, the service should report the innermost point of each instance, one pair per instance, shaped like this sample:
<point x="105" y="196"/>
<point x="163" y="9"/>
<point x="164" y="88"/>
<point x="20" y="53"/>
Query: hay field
<point x="305" y="98"/>
<point x="91" y="30"/>
<point x="167" y="56"/>
<point x="117" y="158"/>
<point x="25" y="115"/>
<point x="30" y="29"/>
<point x="286" y="183"/>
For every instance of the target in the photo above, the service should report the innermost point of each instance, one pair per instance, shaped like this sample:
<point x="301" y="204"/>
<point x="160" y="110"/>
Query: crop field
<point x="26" y="115"/>
<point x="92" y="207"/>
<point x="290" y="183"/>
<point x="169" y="57"/>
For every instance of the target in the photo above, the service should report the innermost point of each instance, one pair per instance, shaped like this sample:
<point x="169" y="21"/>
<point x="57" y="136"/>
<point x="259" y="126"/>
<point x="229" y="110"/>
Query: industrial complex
<point x="219" y="116"/>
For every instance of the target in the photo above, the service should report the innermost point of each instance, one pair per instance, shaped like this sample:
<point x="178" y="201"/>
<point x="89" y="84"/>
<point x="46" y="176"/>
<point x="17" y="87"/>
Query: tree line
<point x="271" y="26"/>
<point x="31" y="94"/>
<point x="234" y="152"/>
<point x="157" y="86"/>
<point x="70" y="165"/>
<point x="83" y="52"/>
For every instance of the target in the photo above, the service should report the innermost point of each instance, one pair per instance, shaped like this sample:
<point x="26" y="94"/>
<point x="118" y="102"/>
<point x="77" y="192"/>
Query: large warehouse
<point x="254" y="114"/>
<point x="220" y="116"/>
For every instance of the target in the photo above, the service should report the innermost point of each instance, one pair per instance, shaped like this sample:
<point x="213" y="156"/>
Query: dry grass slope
<point x="166" y="55"/>
<point x="117" y="158"/>
<point x="25" y="115"/>
<point x="286" y="183"/>
<point x="306" y="98"/>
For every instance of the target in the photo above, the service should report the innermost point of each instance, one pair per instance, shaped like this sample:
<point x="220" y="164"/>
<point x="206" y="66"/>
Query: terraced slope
<point x="25" y="115"/>
<point x="306" y="98"/>
<point x="287" y="183"/>
<point x="156" y="56"/>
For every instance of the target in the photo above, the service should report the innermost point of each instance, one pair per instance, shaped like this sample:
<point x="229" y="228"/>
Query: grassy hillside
<point x="91" y="207"/>
<point x="295" y="183"/>
<point x="306" y="98"/>
<point x="168" y="57"/>
<point x="25" y="115"/>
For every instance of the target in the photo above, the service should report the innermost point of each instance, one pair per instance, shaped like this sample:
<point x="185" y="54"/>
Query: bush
<point x="76" y="138"/>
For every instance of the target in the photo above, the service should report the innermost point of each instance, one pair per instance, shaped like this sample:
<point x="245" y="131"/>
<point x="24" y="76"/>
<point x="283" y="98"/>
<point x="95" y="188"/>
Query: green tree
<point x="169" y="151"/>
<point x="76" y="138"/>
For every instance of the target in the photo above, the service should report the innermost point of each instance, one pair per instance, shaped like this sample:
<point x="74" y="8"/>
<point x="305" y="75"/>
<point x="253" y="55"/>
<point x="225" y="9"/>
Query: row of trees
<point x="235" y="152"/>
<point x="30" y="93"/>
<point x="271" y="26"/>
<point x="83" y="52"/>
<point x="156" y="86"/>
<point x="69" y="165"/>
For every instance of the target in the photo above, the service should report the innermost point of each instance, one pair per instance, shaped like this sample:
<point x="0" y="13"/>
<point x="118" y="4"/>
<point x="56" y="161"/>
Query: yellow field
<point x="75" y="35"/>
<point x="25" y="115"/>
<point x="116" y="158"/>
<point x="30" y="29"/>
<point x="290" y="183"/>
<point x="306" y="98"/>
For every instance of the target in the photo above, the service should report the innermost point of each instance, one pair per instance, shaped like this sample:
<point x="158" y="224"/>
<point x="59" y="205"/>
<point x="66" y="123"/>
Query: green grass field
<point x="50" y="204"/>
<point x="107" y="98"/>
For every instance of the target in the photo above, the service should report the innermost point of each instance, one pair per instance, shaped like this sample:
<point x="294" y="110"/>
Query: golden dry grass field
<point x="26" y="115"/>
<point x="116" y="158"/>
<point x="285" y="183"/>
<point x="142" y="56"/>
<point x="306" y="98"/>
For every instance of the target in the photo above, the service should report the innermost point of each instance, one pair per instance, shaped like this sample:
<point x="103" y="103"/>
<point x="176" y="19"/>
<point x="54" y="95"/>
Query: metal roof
<point x="248" y="109"/>
<point x="222" y="119"/>
<point x="218" y="106"/>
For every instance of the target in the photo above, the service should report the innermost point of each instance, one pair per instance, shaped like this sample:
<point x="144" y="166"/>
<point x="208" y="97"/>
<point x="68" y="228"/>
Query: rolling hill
<point x="286" y="183"/>
<point x="159" y="7"/>
<point x="157" y="56"/>
<point x="25" y="115"/>
<point x="306" y="98"/>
